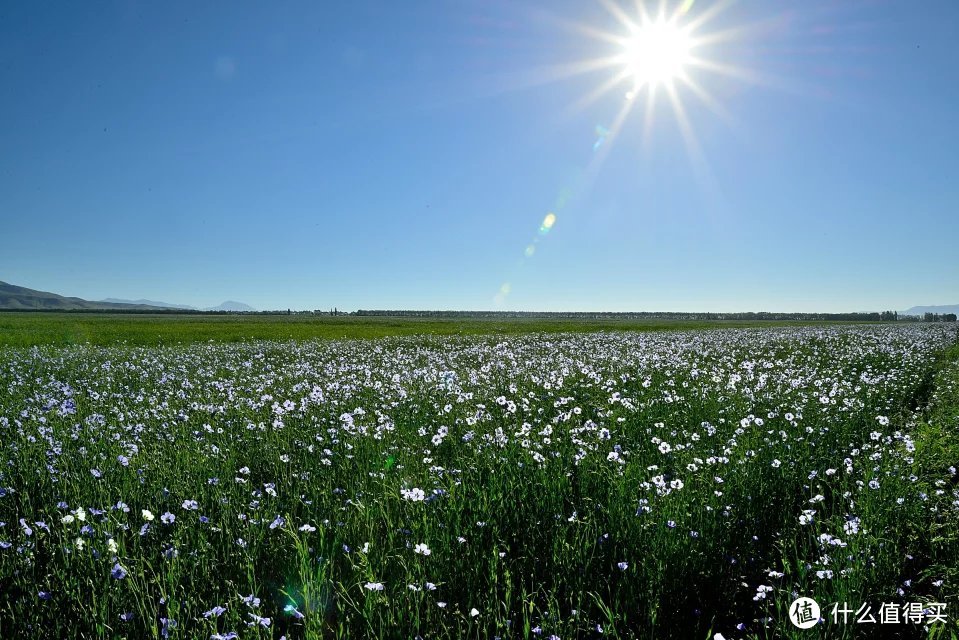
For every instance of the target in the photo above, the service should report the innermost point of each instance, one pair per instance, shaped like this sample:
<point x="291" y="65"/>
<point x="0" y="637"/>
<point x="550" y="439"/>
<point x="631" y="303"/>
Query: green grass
<point x="24" y="329"/>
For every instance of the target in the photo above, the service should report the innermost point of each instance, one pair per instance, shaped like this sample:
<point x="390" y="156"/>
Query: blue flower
<point x="216" y="612"/>
<point x="257" y="620"/>
<point x="167" y="625"/>
<point x="118" y="573"/>
<point x="292" y="611"/>
<point x="278" y="522"/>
<point x="167" y="518"/>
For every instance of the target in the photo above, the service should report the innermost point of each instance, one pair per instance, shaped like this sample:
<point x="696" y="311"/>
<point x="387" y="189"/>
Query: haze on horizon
<point x="797" y="157"/>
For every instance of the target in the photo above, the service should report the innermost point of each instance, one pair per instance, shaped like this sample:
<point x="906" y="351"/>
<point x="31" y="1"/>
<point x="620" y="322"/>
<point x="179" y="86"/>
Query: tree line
<point x="875" y="316"/>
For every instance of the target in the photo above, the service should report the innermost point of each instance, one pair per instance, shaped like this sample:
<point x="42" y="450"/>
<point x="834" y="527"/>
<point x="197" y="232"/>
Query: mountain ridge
<point x="922" y="310"/>
<point x="226" y="305"/>
<point x="16" y="298"/>
<point x="151" y="303"/>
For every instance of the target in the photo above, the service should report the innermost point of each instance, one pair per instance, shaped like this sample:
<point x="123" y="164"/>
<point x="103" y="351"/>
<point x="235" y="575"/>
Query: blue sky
<point x="404" y="155"/>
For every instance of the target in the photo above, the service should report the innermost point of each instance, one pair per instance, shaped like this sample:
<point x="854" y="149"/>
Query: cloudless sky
<point x="404" y="154"/>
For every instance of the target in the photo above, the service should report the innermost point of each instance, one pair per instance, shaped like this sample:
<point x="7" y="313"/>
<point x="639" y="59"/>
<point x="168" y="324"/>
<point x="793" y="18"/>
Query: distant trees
<point x="936" y="317"/>
<point x="874" y="316"/>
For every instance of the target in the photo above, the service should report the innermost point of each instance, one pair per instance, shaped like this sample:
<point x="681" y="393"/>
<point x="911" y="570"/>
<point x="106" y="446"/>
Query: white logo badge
<point x="804" y="613"/>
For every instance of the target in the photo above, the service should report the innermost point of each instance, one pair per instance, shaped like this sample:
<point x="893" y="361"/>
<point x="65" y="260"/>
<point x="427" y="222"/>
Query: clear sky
<point x="406" y="154"/>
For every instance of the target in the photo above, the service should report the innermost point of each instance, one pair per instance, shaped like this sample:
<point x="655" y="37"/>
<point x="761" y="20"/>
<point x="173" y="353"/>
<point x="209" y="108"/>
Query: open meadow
<point x="50" y="328"/>
<point x="605" y="484"/>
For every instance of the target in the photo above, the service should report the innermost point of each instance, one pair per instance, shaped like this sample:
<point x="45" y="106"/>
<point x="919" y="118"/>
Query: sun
<point x="664" y="54"/>
<point x="657" y="52"/>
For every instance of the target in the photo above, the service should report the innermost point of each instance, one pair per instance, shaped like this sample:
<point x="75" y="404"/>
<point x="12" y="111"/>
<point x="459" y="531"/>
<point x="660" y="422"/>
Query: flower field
<point x="671" y="484"/>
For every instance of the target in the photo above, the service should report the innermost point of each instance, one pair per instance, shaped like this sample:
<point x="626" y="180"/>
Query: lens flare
<point x="601" y="133"/>
<point x="548" y="223"/>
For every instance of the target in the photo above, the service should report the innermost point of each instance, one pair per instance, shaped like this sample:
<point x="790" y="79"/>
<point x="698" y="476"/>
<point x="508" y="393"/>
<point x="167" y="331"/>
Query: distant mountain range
<point x="13" y="297"/>
<point x="941" y="309"/>
<point x="229" y="305"/>
<point x="148" y="303"/>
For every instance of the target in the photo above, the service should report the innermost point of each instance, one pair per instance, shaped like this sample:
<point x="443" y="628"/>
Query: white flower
<point x="373" y="586"/>
<point x="422" y="549"/>
<point x="67" y="519"/>
<point x="474" y="612"/>
<point x="147" y="515"/>
<point x="413" y="495"/>
<point x="761" y="592"/>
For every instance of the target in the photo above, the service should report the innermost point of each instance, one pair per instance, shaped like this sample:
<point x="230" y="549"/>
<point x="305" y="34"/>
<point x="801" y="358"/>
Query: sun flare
<point x="673" y="53"/>
<point x="657" y="52"/>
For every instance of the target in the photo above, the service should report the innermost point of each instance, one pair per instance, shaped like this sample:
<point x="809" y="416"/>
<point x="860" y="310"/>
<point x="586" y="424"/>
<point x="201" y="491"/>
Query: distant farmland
<point x="29" y="328"/>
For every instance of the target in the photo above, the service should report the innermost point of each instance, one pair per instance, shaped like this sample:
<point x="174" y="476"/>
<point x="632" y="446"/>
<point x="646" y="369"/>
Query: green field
<point x="545" y="485"/>
<point x="26" y="329"/>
